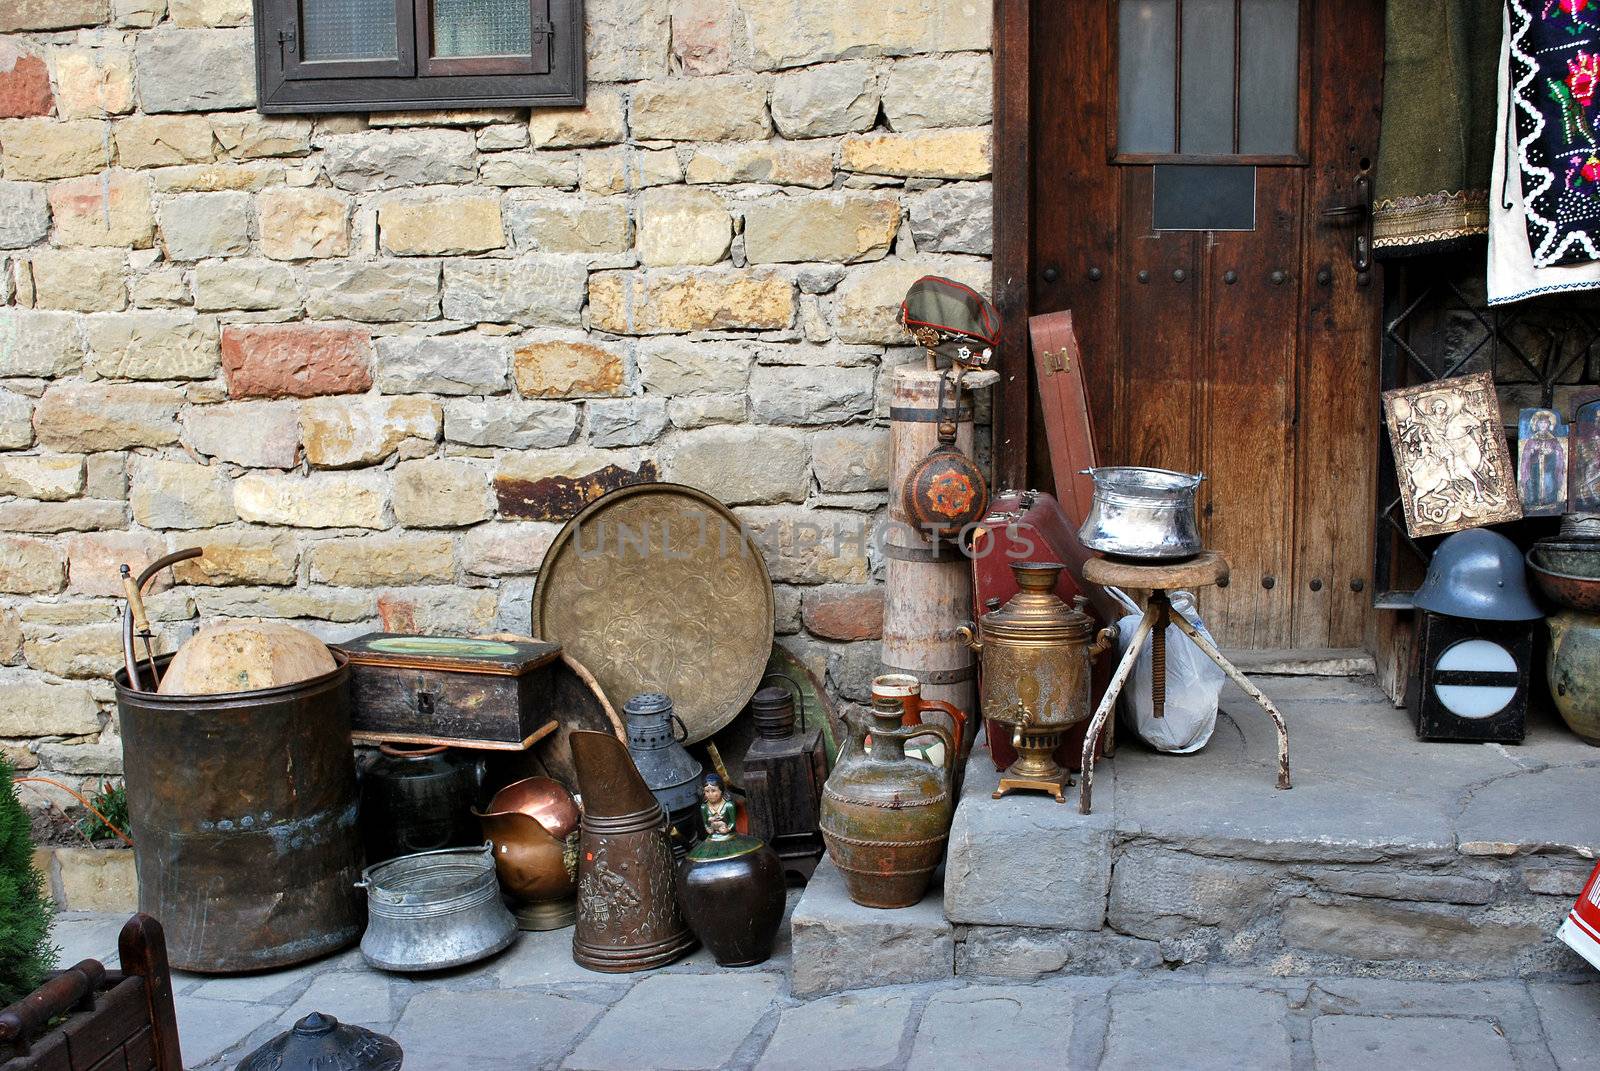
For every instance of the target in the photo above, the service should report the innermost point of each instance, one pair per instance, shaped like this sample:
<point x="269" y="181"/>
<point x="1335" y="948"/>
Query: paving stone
<point x="1526" y="809"/>
<point x="208" y="1028"/>
<point x="994" y="1026"/>
<point x="1197" y="1028"/>
<point x="361" y="997"/>
<point x="840" y="945"/>
<point x="86" y="935"/>
<point x="1362" y="1042"/>
<point x="445" y="1030"/>
<point x="657" y="1008"/>
<point x="544" y="957"/>
<point x="867" y="1026"/>
<point x="1570" y="1015"/>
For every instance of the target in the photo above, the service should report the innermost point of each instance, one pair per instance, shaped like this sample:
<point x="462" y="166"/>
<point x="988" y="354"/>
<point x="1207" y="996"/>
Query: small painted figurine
<point x="716" y="810"/>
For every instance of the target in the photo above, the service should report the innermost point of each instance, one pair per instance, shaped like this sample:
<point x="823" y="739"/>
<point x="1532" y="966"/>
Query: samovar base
<point x="1036" y="769"/>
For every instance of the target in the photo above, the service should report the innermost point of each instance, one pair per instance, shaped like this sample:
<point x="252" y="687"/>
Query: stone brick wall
<point x="370" y="362"/>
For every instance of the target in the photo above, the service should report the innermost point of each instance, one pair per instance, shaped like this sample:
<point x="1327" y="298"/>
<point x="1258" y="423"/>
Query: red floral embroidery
<point x="1583" y="76"/>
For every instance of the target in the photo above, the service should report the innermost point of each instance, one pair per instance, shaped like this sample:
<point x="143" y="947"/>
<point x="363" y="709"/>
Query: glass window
<point x="350" y="30"/>
<point x="481" y="28"/>
<point x="1208" y="77"/>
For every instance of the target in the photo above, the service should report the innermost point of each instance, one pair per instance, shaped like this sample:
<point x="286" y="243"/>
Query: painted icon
<point x="1542" y="463"/>
<point x="1584" y="447"/>
<point x="1450" y="455"/>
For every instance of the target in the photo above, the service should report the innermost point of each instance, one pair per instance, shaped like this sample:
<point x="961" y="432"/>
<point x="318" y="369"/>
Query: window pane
<point x="1146" y="45"/>
<point x="1269" y="77"/>
<point x="481" y="28"/>
<point x="348" y="30"/>
<point x="1207" y="117"/>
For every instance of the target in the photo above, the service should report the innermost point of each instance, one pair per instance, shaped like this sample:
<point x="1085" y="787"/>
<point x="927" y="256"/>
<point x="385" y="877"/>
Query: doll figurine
<point x="716" y="809"/>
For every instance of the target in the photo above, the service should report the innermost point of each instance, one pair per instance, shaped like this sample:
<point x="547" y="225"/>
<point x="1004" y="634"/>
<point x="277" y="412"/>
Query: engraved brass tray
<point x="656" y="588"/>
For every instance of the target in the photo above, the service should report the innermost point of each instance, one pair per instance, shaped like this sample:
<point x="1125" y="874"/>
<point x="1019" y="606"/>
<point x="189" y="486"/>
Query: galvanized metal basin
<point x="1143" y="513"/>
<point x="1568" y="572"/>
<point x="434" y="910"/>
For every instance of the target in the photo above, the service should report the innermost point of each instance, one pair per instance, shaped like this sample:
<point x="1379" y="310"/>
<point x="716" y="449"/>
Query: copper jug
<point x="628" y="914"/>
<point x="1037" y="654"/>
<point x="885" y="814"/>
<point x="533" y="824"/>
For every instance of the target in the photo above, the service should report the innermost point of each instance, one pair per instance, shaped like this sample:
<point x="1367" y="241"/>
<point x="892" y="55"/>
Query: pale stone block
<point x="137" y="14"/>
<point x="206" y="178"/>
<point x="247" y="135"/>
<point x="303" y="224"/>
<point x="16" y="421"/>
<point x="244" y="284"/>
<point x="107" y="416"/>
<point x="788" y="33"/>
<point x="376" y="291"/>
<point x="676" y="366"/>
<point x="703" y="35"/>
<point x="98" y="879"/>
<point x="510" y="423"/>
<point x="626" y="40"/>
<point x="51" y="149"/>
<point x="954" y="219"/>
<point x="242" y="556"/>
<point x="830" y="98"/>
<point x="87" y="280"/>
<point x="199" y="225"/>
<point x="542" y="291"/>
<point x="776" y="162"/>
<point x="24" y="214"/>
<point x="719" y="108"/>
<point x="443" y="364"/>
<point x="40" y="344"/>
<point x="99" y="210"/>
<point x="529" y="169"/>
<point x="624" y="169"/>
<point x="810" y="394"/>
<point x="502" y="136"/>
<point x="339" y="432"/>
<point x="626" y="421"/>
<point x="164" y="140"/>
<point x="196" y="70"/>
<point x="840" y="227"/>
<point x="443" y="225"/>
<point x="35" y="709"/>
<point x="47" y="477"/>
<point x="560" y="223"/>
<point x="383" y="560"/>
<point x="706" y="410"/>
<point x="179" y="494"/>
<point x="669" y="302"/>
<point x="867" y="302"/>
<point x="811" y="546"/>
<point x="839" y="945"/>
<point x="91" y="83"/>
<point x="601" y="121"/>
<point x="742" y="465"/>
<point x="384" y="159"/>
<point x="683" y="225"/>
<point x="851" y="460"/>
<point x="935" y="91"/>
<point x="946" y="154"/>
<point x="31" y="566"/>
<point x="252" y="434"/>
<point x="441" y="494"/>
<point x="320" y="500"/>
<point x="192" y="13"/>
<point x="507" y="549"/>
<point x="51" y="14"/>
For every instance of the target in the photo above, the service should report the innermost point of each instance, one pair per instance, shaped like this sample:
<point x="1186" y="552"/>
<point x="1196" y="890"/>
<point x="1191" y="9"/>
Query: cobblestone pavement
<point x="532" y="1007"/>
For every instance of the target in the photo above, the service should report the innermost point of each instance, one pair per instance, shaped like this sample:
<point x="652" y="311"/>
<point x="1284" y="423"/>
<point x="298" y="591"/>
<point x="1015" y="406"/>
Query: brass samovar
<point x="1037" y="655"/>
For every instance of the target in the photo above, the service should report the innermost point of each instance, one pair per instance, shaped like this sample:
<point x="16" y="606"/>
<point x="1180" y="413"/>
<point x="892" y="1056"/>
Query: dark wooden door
<point x="1250" y="353"/>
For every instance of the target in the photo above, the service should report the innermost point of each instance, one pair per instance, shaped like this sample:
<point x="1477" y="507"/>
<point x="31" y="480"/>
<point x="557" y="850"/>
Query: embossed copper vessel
<point x="628" y="914"/>
<point x="1036" y="667"/>
<point x="885" y="814"/>
<point x="533" y="824"/>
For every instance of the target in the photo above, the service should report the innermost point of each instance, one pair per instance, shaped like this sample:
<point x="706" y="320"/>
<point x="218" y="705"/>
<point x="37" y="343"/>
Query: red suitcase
<point x="1030" y="526"/>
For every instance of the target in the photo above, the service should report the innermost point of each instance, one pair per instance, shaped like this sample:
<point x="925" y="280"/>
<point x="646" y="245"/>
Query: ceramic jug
<point x="885" y="814"/>
<point x="1571" y="667"/>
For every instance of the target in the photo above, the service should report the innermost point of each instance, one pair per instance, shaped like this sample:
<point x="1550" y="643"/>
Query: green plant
<point x="25" y="910"/>
<point x="112" y="803"/>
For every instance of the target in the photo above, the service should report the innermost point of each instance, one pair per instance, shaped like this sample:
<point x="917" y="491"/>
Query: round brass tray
<point x="656" y="587"/>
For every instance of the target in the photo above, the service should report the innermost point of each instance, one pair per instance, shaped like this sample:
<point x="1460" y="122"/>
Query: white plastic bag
<point x="1194" y="682"/>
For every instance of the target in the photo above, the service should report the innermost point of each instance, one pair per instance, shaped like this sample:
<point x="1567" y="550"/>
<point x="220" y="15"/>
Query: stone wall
<point x="371" y="362"/>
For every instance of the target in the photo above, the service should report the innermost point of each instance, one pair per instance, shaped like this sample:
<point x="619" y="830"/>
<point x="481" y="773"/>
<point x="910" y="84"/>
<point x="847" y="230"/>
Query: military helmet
<point x="1478" y="574"/>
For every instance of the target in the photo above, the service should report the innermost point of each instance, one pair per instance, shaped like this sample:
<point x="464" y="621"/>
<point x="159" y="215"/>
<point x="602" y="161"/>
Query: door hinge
<point x="286" y="46"/>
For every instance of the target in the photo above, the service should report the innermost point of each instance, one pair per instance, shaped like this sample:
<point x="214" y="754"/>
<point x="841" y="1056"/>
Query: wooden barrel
<point x="929" y="586"/>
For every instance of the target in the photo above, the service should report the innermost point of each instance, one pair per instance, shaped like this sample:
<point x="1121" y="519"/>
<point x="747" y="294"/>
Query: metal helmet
<point x="1478" y="574"/>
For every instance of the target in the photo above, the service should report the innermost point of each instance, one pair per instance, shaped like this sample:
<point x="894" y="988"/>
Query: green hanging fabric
<point x="1436" y="148"/>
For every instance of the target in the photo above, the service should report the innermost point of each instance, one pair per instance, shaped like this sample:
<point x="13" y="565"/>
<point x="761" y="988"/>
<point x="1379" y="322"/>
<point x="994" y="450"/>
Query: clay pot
<point x="242" y="656"/>
<point x="885" y="814"/>
<point x="1573" y="669"/>
<point x="533" y="825"/>
<point x="731" y="891"/>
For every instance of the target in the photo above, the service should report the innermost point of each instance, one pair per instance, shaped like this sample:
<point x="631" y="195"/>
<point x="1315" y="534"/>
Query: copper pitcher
<point x="533" y="824"/>
<point x="886" y="814"/>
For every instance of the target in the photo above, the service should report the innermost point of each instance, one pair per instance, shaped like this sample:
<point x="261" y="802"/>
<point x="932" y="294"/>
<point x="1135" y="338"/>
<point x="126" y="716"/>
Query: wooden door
<point x="1249" y="353"/>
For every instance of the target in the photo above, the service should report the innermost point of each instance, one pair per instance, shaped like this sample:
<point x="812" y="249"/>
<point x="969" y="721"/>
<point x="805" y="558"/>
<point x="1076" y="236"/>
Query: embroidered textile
<point x="1555" y="78"/>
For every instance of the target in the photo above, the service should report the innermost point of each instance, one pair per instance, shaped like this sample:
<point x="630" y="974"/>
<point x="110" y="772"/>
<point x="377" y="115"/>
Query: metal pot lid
<point x="657" y="588"/>
<point x="322" y="1043"/>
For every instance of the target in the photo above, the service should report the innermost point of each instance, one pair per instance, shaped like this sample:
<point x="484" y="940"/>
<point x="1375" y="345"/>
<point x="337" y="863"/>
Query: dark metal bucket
<point x="243" y="808"/>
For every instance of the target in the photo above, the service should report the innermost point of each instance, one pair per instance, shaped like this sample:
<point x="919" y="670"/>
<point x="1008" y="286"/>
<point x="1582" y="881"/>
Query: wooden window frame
<point x="1302" y="105"/>
<point x="415" y="80"/>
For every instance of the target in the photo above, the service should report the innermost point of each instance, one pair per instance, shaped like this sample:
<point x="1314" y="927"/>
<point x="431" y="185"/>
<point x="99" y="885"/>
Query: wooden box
<point x="486" y="693"/>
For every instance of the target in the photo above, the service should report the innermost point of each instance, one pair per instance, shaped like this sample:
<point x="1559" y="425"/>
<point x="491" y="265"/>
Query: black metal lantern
<point x="1474" y="647"/>
<point x="319" y="1042"/>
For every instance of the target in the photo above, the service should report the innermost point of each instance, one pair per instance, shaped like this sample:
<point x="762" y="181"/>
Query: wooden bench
<point x="115" y="1020"/>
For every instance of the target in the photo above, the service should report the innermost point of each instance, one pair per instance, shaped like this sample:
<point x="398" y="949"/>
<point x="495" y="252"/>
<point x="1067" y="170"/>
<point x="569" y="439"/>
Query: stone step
<point x="839" y="945"/>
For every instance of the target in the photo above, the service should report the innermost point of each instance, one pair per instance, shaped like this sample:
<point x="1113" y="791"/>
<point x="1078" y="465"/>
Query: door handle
<point x="1357" y="213"/>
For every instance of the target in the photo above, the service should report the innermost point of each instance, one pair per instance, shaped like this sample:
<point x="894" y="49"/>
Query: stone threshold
<point x="89" y="879"/>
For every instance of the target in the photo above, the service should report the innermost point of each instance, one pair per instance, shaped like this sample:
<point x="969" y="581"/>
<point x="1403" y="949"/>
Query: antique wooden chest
<point x="488" y="693"/>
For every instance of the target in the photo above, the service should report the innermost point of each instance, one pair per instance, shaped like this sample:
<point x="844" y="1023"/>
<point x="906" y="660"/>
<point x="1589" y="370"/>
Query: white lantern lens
<point x="1476" y="700"/>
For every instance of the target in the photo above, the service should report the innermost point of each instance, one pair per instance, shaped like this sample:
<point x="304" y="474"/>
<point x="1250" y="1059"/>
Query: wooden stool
<point x="1206" y="569"/>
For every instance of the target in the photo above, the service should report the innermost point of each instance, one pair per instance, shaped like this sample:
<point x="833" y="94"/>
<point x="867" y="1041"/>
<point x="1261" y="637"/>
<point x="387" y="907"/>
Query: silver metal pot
<point x="434" y="910"/>
<point x="1143" y="513"/>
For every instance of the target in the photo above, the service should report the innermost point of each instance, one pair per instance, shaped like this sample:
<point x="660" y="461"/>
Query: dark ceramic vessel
<point x="731" y="891"/>
<point x="418" y="799"/>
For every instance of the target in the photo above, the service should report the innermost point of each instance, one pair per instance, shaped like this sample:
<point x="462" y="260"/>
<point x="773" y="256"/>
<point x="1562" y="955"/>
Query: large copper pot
<point x="533" y="824"/>
<point x="885" y="814"/>
<point x="1037" y="662"/>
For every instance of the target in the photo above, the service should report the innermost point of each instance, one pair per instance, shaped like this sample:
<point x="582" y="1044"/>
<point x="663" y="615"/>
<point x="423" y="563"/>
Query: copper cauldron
<point x="533" y="824"/>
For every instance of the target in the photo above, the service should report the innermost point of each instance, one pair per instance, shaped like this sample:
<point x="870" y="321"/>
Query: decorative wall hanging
<point x="1450" y="455"/>
<point x="1542" y="463"/>
<point x="1554" y="76"/>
